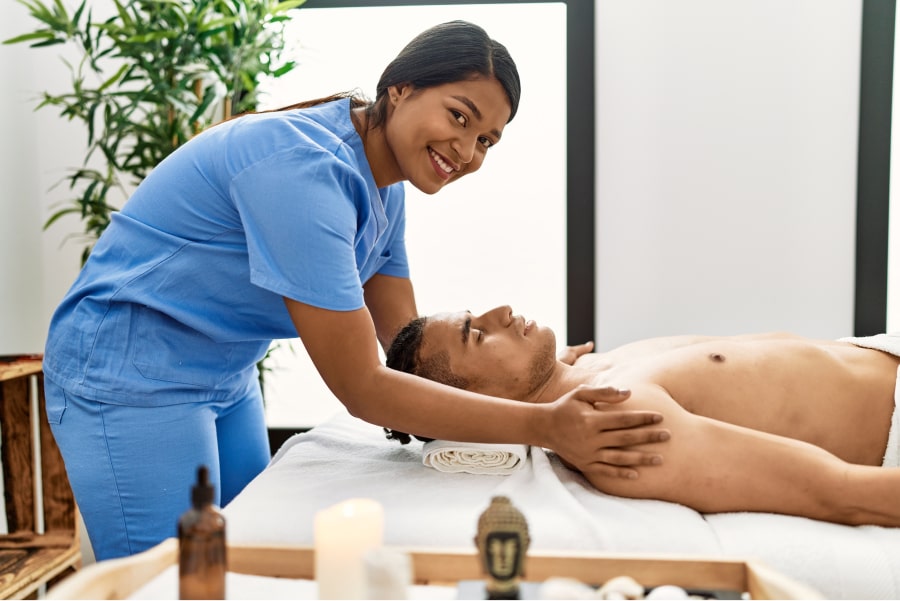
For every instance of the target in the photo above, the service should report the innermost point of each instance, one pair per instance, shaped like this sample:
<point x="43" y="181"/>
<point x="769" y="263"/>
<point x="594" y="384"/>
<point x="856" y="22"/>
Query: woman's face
<point x="437" y="135"/>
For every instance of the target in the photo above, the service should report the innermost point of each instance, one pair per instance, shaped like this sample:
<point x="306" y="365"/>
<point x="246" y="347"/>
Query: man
<point x="767" y="422"/>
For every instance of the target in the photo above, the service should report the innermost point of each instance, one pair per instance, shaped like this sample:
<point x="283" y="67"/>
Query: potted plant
<point x="150" y="75"/>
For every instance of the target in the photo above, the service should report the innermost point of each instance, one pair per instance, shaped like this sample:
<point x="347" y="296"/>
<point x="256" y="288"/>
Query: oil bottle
<point x="201" y="544"/>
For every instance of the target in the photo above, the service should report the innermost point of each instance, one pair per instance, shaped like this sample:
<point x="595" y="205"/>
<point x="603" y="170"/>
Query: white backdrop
<point x="726" y="174"/>
<point x="495" y="237"/>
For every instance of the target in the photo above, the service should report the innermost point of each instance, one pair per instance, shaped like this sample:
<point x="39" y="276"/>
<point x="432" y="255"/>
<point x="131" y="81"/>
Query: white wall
<point x="726" y="175"/>
<point x="36" y="149"/>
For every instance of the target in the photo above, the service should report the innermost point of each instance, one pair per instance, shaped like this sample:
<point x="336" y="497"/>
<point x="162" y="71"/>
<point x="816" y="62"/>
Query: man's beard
<point x="542" y="366"/>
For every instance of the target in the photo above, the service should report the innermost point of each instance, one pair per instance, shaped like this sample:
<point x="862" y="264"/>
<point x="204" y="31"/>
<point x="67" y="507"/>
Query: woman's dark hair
<point x="445" y="53"/>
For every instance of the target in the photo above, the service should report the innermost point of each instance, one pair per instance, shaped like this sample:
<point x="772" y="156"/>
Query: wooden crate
<point x="119" y="578"/>
<point x="43" y="543"/>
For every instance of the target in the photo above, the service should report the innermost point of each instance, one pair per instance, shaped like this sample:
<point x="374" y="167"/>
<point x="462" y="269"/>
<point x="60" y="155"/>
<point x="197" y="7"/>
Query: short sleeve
<point x="299" y="215"/>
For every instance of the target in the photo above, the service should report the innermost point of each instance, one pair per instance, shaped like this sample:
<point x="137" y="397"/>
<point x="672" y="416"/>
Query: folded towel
<point x="889" y="343"/>
<point x="474" y="458"/>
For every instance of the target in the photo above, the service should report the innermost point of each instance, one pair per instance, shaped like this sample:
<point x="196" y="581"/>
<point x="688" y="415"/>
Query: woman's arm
<point x="344" y="348"/>
<point x="712" y="466"/>
<point x="391" y="303"/>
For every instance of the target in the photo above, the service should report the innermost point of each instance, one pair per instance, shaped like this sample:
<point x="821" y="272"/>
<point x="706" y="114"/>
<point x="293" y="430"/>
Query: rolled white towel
<point x="474" y="458"/>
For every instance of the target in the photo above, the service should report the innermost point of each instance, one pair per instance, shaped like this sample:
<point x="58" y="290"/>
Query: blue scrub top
<point x="182" y="294"/>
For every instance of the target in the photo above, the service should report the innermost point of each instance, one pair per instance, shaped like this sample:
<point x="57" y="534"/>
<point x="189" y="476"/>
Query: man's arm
<point x="712" y="467"/>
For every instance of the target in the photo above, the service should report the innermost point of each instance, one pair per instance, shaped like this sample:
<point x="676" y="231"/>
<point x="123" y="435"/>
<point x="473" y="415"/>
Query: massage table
<point x="345" y="457"/>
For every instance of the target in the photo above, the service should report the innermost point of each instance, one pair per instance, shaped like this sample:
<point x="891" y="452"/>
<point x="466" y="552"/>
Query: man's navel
<point x="717" y="357"/>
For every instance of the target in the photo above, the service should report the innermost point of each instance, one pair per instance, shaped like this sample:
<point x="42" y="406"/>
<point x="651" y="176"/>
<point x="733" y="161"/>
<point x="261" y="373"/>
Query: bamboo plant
<point x="149" y="75"/>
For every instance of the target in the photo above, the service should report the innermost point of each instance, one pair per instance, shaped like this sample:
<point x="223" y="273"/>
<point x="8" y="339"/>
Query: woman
<point x="277" y="225"/>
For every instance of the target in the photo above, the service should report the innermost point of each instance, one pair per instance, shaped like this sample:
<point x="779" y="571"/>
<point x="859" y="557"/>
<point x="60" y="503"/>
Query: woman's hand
<point x="570" y="353"/>
<point x="596" y="441"/>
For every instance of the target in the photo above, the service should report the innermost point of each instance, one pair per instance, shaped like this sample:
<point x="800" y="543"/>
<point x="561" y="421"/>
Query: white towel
<point x="474" y="458"/>
<point x="888" y="343"/>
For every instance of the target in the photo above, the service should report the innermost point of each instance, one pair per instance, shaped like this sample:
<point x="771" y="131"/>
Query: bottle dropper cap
<point x="202" y="493"/>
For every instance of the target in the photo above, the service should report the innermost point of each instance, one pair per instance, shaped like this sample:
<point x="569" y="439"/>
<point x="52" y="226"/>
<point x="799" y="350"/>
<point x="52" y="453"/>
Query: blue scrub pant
<point x="132" y="468"/>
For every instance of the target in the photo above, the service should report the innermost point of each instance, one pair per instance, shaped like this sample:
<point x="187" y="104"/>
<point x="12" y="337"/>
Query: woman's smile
<point x="441" y="166"/>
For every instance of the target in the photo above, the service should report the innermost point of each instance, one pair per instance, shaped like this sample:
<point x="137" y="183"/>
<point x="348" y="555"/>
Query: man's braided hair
<point x="404" y="355"/>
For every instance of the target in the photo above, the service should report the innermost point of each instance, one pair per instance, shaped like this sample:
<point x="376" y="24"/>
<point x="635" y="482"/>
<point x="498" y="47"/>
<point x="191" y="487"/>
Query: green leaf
<point x="153" y="36"/>
<point x="156" y="50"/>
<point x="76" y="18"/>
<point x="48" y="43"/>
<point x="60" y="9"/>
<point x="218" y="24"/>
<point x="27" y="37"/>
<point x="112" y="80"/>
<point x="59" y="214"/>
<point x="123" y="15"/>
<point x="284" y="69"/>
<point x="288" y="5"/>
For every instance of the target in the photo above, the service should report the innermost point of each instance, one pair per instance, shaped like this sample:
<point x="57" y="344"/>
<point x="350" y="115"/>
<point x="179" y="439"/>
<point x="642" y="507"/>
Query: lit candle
<point x="343" y="535"/>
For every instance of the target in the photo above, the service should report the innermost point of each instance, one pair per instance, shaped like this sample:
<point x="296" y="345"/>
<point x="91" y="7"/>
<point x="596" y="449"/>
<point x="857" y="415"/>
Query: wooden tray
<point x="119" y="578"/>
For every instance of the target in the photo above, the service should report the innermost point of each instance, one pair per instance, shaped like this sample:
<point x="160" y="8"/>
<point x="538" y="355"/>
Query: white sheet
<point x="346" y="457"/>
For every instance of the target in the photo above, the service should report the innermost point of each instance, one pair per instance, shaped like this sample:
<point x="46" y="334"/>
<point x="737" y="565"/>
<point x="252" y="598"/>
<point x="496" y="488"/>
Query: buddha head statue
<point x="502" y="542"/>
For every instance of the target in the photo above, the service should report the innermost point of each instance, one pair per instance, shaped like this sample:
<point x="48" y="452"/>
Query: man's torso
<point x="832" y="394"/>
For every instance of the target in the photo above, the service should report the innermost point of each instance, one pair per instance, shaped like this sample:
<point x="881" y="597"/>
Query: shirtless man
<point x="769" y="422"/>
